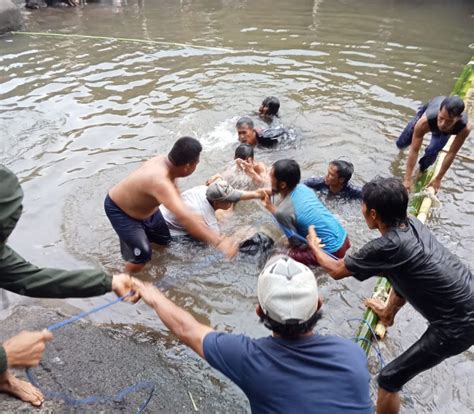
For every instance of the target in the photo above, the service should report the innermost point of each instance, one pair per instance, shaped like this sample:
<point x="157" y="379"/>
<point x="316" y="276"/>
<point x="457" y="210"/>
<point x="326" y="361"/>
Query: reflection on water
<point x="76" y="115"/>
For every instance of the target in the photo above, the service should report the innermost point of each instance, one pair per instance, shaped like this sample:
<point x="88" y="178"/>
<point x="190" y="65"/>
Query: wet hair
<point x="345" y="169"/>
<point x="185" y="150"/>
<point x="273" y="105"/>
<point x="244" y="121"/>
<point x="454" y="105"/>
<point x="388" y="197"/>
<point x="244" y="151"/>
<point x="292" y="329"/>
<point x="287" y="171"/>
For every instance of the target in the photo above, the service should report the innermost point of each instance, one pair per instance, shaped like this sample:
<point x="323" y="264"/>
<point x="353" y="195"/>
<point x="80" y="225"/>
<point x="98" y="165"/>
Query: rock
<point x="10" y="17"/>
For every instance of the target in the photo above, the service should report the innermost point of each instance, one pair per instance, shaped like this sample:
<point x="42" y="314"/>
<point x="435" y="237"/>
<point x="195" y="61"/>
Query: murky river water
<point x="76" y="115"/>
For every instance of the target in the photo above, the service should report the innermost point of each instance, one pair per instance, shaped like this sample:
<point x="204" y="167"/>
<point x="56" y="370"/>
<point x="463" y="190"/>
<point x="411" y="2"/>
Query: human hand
<point x="435" y="183"/>
<point x="215" y="177"/>
<point x="122" y="285"/>
<point x="267" y="203"/>
<point x="26" y="349"/>
<point x="228" y="247"/>
<point x="313" y="240"/>
<point x="407" y="183"/>
<point x="146" y="291"/>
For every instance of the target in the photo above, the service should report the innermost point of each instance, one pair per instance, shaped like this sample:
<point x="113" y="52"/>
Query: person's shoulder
<point x="341" y="344"/>
<point x="227" y="343"/>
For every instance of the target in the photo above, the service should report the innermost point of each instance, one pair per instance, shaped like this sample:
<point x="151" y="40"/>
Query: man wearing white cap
<point x="204" y="201"/>
<point x="292" y="371"/>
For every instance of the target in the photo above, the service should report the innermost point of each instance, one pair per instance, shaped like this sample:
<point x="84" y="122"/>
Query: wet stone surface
<point x="86" y="359"/>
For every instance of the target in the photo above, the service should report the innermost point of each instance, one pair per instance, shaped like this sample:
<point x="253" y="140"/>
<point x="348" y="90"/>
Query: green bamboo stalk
<point x="382" y="287"/>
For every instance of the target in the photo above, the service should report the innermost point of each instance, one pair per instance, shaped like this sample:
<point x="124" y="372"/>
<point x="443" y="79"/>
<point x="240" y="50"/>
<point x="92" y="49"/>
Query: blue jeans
<point x="437" y="142"/>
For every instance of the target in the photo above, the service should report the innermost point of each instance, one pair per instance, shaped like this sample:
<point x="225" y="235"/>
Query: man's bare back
<point x="138" y="194"/>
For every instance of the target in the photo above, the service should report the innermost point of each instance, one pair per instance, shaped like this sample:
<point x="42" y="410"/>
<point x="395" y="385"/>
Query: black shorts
<point x="432" y="348"/>
<point x="135" y="235"/>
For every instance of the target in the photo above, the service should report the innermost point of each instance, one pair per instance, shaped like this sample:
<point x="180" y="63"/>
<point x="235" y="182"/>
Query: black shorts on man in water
<point x="436" y="345"/>
<point x="135" y="235"/>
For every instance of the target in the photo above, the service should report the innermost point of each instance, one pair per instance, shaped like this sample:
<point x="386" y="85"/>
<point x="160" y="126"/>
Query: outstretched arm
<point x="448" y="160"/>
<point x="336" y="268"/>
<point x="178" y="321"/>
<point x="168" y="195"/>
<point x="421" y="128"/>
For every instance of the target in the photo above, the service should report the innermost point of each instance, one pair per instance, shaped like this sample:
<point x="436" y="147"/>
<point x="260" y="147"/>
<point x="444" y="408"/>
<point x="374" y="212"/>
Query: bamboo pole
<point x="464" y="88"/>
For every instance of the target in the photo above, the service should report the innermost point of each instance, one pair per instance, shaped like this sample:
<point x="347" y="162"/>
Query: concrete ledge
<point x="10" y="17"/>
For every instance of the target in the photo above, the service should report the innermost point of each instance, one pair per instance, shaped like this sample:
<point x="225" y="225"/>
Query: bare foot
<point x="380" y="310"/>
<point x="20" y="389"/>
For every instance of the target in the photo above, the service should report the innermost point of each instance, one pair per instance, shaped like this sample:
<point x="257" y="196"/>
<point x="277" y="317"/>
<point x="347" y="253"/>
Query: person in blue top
<point x="295" y="370"/>
<point x="336" y="181"/>
<point x="442" y="116"/>
<point x="297" y="209"/>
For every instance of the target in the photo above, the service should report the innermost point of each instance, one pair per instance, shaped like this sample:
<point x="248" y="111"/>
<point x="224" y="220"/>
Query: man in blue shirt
<point x="336" y="181"/>
<point x="292" y="371"/>
<point x="298" y="208"/>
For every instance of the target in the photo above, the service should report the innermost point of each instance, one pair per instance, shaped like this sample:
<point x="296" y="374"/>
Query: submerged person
<point x="246" y="173"/>
<point x="205" y="201"/>
<point x="266" y="138"/>
<point x="422" y="271"/>
<point x="19" y="276"/>
<point x="442" y="116"/>
<point x="132" y="205"/>
<point x="299" y="208"/>
<point x="294" y="369"/>
<point x="336" y="181"/>
<point x="269" y="108"/>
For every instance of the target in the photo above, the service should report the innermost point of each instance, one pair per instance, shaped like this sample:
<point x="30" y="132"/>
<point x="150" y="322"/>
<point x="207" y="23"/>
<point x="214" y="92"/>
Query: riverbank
<point x="86" y="359"/>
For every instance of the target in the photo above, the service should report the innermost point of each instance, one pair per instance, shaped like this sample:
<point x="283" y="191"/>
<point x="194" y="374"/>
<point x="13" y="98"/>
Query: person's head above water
<point x="450" y="112"/>
<point x="288" y="297"/>
<point x="244" y="152"/>
<point x="222" y="195"/>
<point x="339" y="173"/>
<point x="184" y="156"/>
<point x="384" y="202"/>
<point x="285" y="176"/>
<point x="246" y="131"/>
<point x="269" y="107"/>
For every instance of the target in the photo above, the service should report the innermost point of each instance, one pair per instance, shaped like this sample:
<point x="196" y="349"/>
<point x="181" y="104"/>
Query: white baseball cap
<point x="287" y="291"/>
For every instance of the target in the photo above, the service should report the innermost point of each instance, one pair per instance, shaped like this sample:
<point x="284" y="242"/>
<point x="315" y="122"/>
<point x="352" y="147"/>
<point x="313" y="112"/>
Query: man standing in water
<point x="294" y="369"/>
<point x="443" y="116"/>
<point x="336" y="182"/>
<point x="422" y="271"/>
<point x="298" y="208"/>
<point x="132" y="205"/>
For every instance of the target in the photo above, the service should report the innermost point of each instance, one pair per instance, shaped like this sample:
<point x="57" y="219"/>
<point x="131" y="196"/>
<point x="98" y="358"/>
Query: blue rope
<point x="68" y="399"/>
<point x="361" y="338"/>
<point x="145" y="385"/>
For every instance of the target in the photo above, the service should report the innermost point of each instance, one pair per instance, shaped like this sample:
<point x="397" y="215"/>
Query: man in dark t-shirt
<point x="292" y="371"/>
<point x="442" y="116"/>
<point x="422" y="271"/>
<point x="336" y="182"/>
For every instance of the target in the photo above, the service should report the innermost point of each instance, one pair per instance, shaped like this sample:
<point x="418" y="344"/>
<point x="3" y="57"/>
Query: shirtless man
<point x="443" y="116"/>
<point x="132" y="205"/>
